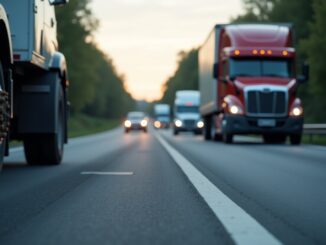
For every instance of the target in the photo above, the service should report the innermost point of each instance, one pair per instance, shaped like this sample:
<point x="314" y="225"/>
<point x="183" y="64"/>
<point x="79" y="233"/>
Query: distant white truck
<point x="162" y="115"/>
<point x="186" y="112"/>
<point x="33" y="81"/>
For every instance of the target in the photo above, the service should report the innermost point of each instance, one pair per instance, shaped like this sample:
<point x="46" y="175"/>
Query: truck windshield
<point x="260" y="68"/>
<point x="187" y="109"/>
<point x="163" y="118"/>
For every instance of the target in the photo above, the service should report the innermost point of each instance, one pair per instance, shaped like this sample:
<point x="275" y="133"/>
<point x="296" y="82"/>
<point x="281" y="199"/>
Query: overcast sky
<point x="144" y="36"/>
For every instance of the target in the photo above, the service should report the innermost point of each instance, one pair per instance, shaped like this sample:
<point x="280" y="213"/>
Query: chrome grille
<point x="189" y="123"/>
<point x="266" y="102"/>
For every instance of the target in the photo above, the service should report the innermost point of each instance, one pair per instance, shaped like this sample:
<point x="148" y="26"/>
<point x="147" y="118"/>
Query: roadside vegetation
<point x="315" y="139"/>
<point x="82" y="124"/>
<point x="97" y="91"/>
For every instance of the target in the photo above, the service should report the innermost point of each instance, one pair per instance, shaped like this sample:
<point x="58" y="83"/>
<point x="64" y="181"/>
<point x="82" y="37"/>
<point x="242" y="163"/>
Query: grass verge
<point x="314" y="139"/>
<point x="80" y="125"/>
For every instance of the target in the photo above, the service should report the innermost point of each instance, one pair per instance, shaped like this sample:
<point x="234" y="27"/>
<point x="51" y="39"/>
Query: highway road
<point x="156" y="188"/>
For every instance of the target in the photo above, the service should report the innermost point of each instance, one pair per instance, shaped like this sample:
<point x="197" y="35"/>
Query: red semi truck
<point x="248" y="83"/>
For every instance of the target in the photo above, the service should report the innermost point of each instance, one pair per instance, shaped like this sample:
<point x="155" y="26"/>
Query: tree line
<point x="185" y="77"/>
<point x="309" y="20"/>
<point x="96" y="88"/>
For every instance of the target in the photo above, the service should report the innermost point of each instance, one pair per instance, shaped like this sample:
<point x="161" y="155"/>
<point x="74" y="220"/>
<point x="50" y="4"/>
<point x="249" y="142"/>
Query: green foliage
<point x="256" y="10"/>
<point x="95" y="86"/>
<point x="298" y="12"/>
<point x="315" y="49"/>
<point x="81" y="124"/>
<point x="185" y="77"/>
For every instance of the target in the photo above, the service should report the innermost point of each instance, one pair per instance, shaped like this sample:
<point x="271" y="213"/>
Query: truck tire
<point x="214" y="134"/>
<point x="175" y="132"/>
<point x="227" y="138"/>
<point x="47" y="149"/>
<point x="208" y="128"/>
<point x="295" y="139"/>
<point x="3" y="143"/>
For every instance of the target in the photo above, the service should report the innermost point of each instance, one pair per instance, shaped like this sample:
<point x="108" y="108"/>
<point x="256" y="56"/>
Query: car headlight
<point x="127" y="124"/>
<point x="200" y="124"/>
<point x="143" y="123"/>
<point x="178" y="123"/>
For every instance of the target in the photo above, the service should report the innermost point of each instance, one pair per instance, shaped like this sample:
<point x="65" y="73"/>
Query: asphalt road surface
<point x="155" y="188"/>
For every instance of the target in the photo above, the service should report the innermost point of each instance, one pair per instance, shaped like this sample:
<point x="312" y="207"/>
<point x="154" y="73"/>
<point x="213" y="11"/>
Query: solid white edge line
<point x="242" y="228"/>
<point x="107" y="173"/>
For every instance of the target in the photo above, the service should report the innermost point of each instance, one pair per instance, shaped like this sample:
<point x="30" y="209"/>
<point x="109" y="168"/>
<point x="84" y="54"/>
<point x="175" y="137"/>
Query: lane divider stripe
<point x="242" y="228"/>
<point x="107" y="173"/>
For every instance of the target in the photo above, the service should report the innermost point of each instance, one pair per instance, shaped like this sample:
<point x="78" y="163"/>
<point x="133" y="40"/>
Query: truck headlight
<point x="296" y="111"/>
<point x="235" y="109"/>
<point x="178" y="123"/>
<point x="200" y="124"/>
<point x="232" y="105"/>
<point x="296" y="108"/>
<point x="157" y="124"/>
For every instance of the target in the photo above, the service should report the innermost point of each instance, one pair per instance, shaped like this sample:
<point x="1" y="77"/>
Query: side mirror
<point x="215" y="71"/>
<point x="233" y="77"/>
<point x="224" y="80"/>
<point x="305" y="74"/>
<point x="58" y="2"/>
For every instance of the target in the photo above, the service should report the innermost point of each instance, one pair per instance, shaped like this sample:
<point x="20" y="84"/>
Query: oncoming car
<point x="136" y="120"/>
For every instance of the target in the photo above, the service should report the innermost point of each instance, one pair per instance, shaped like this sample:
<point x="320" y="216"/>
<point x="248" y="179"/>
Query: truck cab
<point x="162" y="118"/>
<point x="33" y="30"/>
<point x="252" y="86"/>
<point x="186" y="112"/>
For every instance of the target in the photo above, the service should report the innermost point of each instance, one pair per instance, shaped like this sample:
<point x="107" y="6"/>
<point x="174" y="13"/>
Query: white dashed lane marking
<point x="107" y="173"/>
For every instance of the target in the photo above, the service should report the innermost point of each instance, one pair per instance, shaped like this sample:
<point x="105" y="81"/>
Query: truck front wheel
<point x="227" y="138"/>
<point x="175" y="132"/>
<point x="4" y="118"/>
<point x="208" y="128"/>
<point x="47" y="149"/>
<point x="295" y="139"/>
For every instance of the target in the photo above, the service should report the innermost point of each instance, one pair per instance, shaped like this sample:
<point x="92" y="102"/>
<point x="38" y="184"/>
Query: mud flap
<point x="38" y="105"/>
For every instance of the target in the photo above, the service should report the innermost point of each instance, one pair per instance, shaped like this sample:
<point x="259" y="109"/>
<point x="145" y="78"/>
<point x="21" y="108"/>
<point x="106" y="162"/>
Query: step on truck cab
<point x="33" y="80"/>
<point x="248" y="83"/>
<point x="186" y="112"/>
